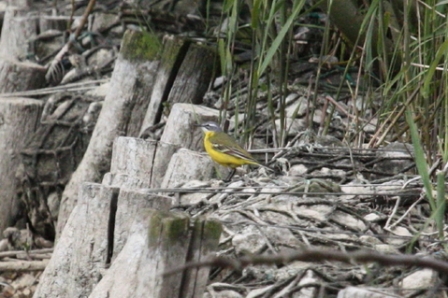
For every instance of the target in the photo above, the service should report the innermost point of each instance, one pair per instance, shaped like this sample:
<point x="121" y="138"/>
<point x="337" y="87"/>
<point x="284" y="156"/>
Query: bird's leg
<point x="229" y="177"/>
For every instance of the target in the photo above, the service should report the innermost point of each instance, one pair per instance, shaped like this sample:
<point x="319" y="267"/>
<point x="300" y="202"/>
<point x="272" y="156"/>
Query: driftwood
<point x="50" y="157"/>
<point x="19" y="27"/>
<point x="20" y="76"/>
<point x="119" y="227"/>
<point x="186" y="165"/>
<point x="184" y="75"/>
<point x="181" y="126"/>
<point x="18" y="121"/>
<point x="133" y="163"/>
<point x="84" y="248"/>
<point x="163" y="154"/>
<point x="157" y="242"/>
<point x="147" y="74"/>
<point x="93" y="249"/>
<point x="129" y="204"/>
<point x="180" y="132"/>
<point x="59" y="23"/>
<point x="133" y="157"/>
<point x="172" y="47"/>
<point x="205" y="236"/>
<point x="194" y="75"/>
<point x="114" y="118"/>
<point x="124" y="107"/>
<point x="23" y="266"/>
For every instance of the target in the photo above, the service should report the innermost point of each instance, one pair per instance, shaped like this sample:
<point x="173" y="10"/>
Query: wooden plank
<point x="204" y="240"/>
<point x="163" y="154"/>
<point x="149" y="46"/>
<point x="93" y="248"/>
<point x="113" y="121"/>
<point x="18" y="29"/>
<point x="180" y="132"/>
<point x="194" y="76"/>
<point x="186" y="165"/>
<point x="85" y="245"/>
<point x="157" y="241"/>
<point x="129" y="203"/>
<point x="180" y="128"/>
<point x="20" y="76"/>
<point x="169" y="63"/>
<point x="133" y="157"/>
<point x="19" y="118"/>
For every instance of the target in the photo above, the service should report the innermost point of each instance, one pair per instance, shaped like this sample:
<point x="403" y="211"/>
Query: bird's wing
<point x="230" y="146"/>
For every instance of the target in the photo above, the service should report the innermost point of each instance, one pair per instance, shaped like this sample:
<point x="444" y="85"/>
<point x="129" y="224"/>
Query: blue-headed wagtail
<point x="224" y="149"/>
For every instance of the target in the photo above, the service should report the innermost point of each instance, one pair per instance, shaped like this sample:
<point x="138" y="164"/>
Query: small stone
<point x="100" y="57"/>
<point x="317" y="117"/>
<point x="318" y="212"/>
<point x="224" y="294"/>
<point x="348" y="221"/>
<point x="236" y="119"/>
<point x="386" y="249"/>
<point x="358" y="292"/>
<point x="298" y="108"/>
<point x="292" y="126"/>
<point x="371" y="126"/>
<point x="420" y="279"/>
<point x="395" y="157"/>
<point x="248" y="243"/>
<point x="297" y="170"/>
<point x="399" y="231"/>
<point x="372" y="217"/>
<point x="100" y="91"/>
<point x="370" y="239"/>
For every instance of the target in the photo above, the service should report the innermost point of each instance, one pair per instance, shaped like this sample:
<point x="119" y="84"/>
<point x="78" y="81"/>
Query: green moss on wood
<point x="176" y="228"/>
<point x="140" y="46"/>
<point x="209" y="230"/>
<point x="167" y="227"/>
<point x="155" y="226"/>
<point x="212" y="230"/>
<point x="171" y="49"/>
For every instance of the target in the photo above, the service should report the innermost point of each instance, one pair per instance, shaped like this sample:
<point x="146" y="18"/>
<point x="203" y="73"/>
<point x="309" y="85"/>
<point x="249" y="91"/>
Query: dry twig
<point x="317" y="255"/>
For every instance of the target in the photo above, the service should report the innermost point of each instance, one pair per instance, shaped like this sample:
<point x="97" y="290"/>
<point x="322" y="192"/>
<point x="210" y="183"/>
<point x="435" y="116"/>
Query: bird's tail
<point x="266" y="167"/>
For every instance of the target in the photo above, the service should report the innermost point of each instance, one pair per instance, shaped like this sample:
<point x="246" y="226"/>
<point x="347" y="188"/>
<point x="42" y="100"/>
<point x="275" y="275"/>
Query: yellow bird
<point x="224" y="149"/>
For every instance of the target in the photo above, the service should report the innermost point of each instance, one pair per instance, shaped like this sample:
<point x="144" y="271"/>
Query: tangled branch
<point x="317" y="255"/>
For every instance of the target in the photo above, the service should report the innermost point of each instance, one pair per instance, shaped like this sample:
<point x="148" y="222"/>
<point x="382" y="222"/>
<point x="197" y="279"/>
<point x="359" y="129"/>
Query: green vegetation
<point x="398" y="48"/>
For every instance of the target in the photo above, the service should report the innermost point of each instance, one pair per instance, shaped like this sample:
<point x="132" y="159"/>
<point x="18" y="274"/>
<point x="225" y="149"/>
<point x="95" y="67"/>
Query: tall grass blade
<point x="420" y="160"/>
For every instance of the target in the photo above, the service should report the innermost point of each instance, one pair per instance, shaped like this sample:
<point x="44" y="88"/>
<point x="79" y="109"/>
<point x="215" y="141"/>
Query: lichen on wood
<point x="140" y="46"/>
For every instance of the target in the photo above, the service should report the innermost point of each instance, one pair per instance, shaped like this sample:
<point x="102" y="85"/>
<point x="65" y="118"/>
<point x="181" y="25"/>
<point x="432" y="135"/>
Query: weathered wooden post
<point x="180" y="132"/>
<point x="19" y="28"/>
<point x="123" y="223"/>
<point x="134" y="69"/>
<point x="130" y="229"/>
<point x="19" y="118"/>
<point x="159" y="241"/>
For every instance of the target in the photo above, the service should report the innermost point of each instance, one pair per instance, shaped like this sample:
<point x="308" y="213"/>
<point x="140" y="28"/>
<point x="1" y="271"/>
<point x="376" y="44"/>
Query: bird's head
<point x="210" y="126"/>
